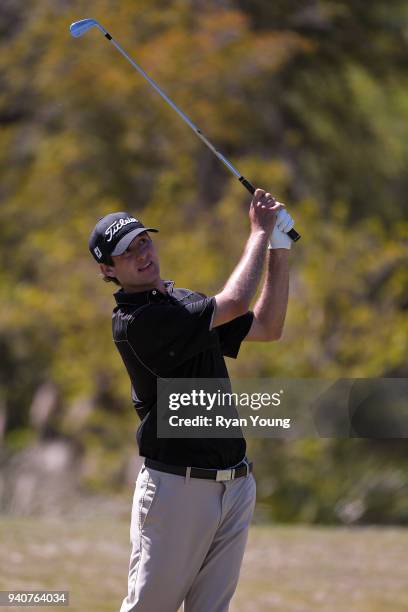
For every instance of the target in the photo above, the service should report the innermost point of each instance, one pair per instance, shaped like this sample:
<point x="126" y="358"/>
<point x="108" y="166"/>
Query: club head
<point x="78" y="28"/>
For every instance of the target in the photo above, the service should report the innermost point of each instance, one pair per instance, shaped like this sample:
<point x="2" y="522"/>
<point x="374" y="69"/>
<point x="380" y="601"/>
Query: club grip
<point x="291" y="233"/>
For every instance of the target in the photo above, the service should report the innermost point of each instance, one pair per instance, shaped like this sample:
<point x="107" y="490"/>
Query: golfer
<point x="194" y="498"/>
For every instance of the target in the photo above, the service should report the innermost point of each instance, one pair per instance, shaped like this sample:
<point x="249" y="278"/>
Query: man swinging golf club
<point x="194" y="498"/>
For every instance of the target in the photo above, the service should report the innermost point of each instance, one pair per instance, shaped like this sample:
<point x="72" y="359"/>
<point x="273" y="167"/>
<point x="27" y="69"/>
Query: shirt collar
<point x="139" y="298"/>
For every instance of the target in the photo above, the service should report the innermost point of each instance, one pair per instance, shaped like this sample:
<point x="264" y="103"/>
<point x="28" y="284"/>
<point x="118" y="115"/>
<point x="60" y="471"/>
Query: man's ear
<point x="107" y="270"/>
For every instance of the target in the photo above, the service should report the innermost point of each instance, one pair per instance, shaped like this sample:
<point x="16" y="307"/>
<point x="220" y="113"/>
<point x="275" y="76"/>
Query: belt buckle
<point x="225" y="475"/>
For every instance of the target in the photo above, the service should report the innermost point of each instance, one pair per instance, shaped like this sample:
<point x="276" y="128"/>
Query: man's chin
<point x="148" y="276"/>
<point x="143" y="280"/>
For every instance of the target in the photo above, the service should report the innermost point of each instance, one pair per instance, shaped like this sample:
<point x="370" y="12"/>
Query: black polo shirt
<point x="168" y="336"/>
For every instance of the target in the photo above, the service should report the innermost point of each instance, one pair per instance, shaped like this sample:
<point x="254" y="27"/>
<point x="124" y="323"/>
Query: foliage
<point x="307" y="99"/>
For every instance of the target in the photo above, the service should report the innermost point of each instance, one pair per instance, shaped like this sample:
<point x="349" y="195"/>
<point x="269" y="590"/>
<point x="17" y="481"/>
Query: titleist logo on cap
<point x="117" y="225"/>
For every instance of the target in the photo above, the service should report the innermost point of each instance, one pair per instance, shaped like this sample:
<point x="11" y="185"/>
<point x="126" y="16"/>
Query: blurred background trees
<point x="309" y="100"/>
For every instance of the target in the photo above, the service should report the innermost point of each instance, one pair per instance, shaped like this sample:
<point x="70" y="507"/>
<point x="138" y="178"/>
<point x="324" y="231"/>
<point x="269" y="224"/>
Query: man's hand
<point x="279" y="238"/>
<point x="263" y="211"/>
<point x="235" y="297"/>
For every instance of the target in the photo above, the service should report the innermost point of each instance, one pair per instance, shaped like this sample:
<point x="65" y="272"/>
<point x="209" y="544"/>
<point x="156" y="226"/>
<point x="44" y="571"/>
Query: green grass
<point x="297" y="569"/>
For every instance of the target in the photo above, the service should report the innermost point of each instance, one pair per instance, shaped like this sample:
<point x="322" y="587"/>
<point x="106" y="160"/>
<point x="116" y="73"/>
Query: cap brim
<point x="130" y="236"/>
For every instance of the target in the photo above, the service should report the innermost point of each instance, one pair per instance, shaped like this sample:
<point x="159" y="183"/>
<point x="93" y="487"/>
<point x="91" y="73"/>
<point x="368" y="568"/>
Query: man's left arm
<point x="270" y="308"/>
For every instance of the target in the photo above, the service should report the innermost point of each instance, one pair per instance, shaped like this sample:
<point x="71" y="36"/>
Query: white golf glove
<point x="279" y="238"/>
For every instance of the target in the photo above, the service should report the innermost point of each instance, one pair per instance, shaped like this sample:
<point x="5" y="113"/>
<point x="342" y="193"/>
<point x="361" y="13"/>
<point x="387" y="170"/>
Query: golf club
<point x="78" y="28"/>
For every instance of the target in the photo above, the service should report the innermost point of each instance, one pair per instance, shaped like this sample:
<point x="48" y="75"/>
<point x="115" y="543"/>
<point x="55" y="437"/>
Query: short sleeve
<point x="231" y="334"/>
<point x="163" y="336"/>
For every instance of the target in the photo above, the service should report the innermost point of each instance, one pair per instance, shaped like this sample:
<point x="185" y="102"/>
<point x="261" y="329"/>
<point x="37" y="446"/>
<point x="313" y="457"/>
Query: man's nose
<point x="143" y="253"/>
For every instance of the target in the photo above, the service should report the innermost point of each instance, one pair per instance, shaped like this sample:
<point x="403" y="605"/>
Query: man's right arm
<point x="234" y="299"/>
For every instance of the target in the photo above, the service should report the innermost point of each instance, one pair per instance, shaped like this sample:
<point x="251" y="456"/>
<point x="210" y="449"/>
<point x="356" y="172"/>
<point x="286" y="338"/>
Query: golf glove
<point x="279" y="238"/>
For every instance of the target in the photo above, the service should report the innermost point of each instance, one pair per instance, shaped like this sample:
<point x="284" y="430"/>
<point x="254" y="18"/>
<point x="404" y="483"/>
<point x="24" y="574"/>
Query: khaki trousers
<point x="188" y="538"/>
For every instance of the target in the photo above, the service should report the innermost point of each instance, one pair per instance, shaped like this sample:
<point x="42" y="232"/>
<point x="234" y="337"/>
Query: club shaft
<point x="292" y="233"/>
<point x="176" y="108"/>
